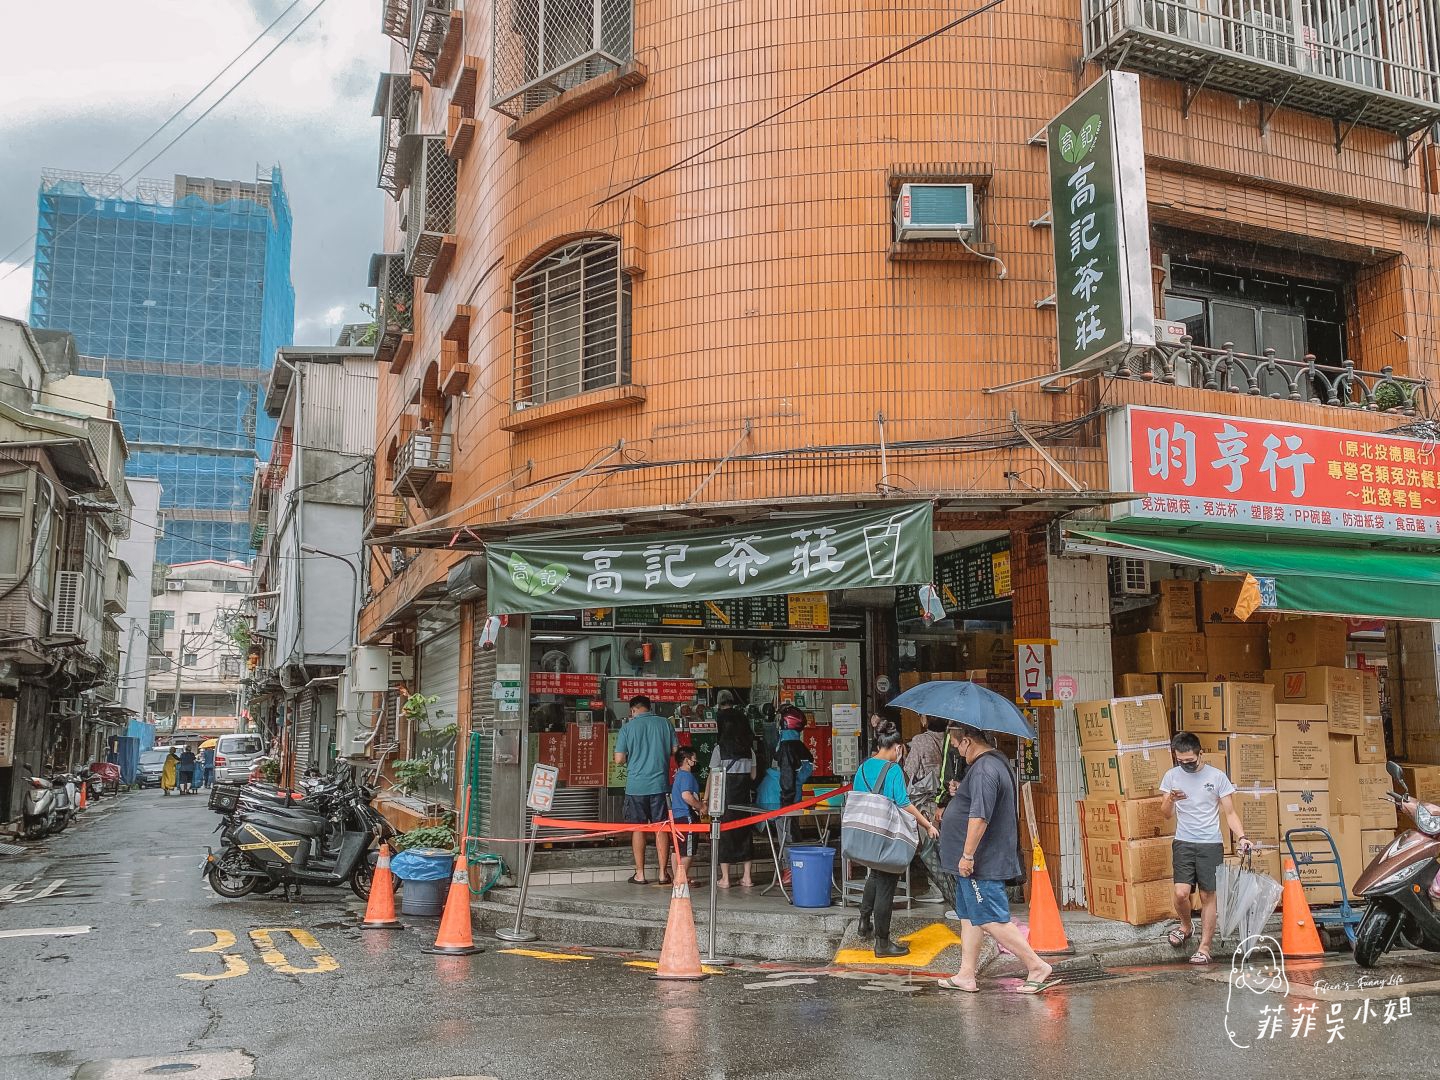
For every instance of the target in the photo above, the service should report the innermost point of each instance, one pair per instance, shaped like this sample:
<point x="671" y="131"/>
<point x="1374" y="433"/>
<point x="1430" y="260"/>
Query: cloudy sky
<point x="92" y="78"/>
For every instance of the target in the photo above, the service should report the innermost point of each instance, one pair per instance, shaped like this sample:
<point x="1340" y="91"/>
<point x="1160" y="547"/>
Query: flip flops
<point x="1031" y="986"/>
<point x="952" y="984"/>
<point x="637" y="880"/>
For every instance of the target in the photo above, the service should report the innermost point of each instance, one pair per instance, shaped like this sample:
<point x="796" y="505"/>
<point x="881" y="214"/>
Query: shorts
<point x="688" y="840"/>
<point x="981" y="902"/>
<point x="647" y="809"/>
<point x="1195" y="864"/>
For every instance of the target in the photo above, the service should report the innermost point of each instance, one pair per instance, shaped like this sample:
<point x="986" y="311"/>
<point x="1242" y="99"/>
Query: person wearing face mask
<point x="1195" y="794"/>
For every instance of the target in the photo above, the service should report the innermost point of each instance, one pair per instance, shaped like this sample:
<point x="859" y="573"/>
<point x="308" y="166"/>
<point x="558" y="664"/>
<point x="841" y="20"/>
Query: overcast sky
<point x="87" y="80"/>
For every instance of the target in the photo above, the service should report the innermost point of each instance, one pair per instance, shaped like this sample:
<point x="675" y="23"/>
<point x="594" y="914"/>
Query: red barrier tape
<point x="608" y="827"/>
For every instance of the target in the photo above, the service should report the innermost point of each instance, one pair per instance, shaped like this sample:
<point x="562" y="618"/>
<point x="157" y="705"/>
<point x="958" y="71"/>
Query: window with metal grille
<point x="393" y="104"/>
<point x="430" y="209"/>
<point x="544" y="47"/>
<point x="571" y="323"/>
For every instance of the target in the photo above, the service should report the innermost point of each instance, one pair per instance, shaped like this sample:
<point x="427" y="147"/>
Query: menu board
<point x="585" y="746"/>
<point x="667" y="690"/>
<point x="808" y="611"/>
<point x="971" y="577"/>
<point x="569" y="683"/>
<point x="800" y="612"/>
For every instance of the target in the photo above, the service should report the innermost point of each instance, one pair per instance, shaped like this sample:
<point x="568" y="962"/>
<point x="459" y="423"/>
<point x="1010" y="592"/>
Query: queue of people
<point x="186" y="772"/>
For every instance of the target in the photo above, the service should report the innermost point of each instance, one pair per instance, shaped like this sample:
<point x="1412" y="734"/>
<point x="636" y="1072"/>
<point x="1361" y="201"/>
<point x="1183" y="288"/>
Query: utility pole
<point x="179" y="663"/>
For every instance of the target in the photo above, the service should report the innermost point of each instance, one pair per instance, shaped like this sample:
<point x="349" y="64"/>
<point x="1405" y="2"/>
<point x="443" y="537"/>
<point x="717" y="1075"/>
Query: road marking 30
<point x="265" y="944"/>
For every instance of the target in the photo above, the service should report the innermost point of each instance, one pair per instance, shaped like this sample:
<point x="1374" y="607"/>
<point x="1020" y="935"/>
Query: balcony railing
<point x="1372" y="62"/>
<point x="384" y="515"/>
<point x="394" y="100"/>
<point x="1187" y="364"/>
<point x="394" y="308"/>
<point x="423" y="463"/>
<point x="259" y="527"/>
<point x="544" y="47"/>
<point x="429" y="29"/>
<point x="430" y="208"/>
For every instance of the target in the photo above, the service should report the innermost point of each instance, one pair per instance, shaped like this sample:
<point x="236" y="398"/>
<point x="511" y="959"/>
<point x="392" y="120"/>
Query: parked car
<point x="235" y="756"/>
<point x="152" y="764"/>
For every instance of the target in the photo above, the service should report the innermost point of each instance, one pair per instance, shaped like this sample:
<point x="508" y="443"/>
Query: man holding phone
<point x="1195" y="794"/>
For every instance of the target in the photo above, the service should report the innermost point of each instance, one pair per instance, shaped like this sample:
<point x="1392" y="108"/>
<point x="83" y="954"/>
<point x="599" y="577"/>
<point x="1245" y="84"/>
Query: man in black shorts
<point x="1195" y="794"/>
<point x="644" y="747"/>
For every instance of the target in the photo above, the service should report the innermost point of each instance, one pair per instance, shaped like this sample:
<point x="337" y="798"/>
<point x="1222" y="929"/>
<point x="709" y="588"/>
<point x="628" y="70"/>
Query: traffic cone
<point x="1047" y="932"/>
<point x="1299" y="939"/>
<point x="380" y="908"/>
<point x="680" y="952"/>
<point x="455" y="938"/>
<point x="84" y="801"/>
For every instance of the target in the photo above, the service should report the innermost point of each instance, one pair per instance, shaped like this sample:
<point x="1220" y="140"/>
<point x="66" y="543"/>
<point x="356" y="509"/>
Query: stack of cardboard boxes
<point x="1125" y="747"/>
<point x="1330" y="753"/>
<point x="1157" y="647"/>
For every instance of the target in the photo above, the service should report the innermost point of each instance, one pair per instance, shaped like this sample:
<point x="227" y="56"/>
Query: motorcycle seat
<point x="299" y="826"/>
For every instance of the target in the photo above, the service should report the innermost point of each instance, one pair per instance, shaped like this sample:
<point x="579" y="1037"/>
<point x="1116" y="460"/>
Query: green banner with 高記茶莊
<point x="881" y="545"/>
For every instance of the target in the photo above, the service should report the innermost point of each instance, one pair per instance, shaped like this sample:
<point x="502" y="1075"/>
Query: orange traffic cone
<point x="84" y="792"/>
<point x="1298" y="937"/>
<point x="455" y="938"/>
<point x="380" y="908"/>
<point x="1047" y="932"/>
<point x="680" y="952"/>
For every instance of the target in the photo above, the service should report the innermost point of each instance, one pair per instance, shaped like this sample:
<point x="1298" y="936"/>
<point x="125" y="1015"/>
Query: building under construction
<point x="179" y="293"/>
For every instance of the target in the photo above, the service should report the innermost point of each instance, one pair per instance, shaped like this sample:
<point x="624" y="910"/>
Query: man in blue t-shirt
<point x="685" y="804"/>
<point x="644" y="748"/>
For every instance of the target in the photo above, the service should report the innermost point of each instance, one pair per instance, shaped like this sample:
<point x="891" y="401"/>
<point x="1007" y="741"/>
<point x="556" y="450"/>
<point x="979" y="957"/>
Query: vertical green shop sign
<point x="1104" y="296"/>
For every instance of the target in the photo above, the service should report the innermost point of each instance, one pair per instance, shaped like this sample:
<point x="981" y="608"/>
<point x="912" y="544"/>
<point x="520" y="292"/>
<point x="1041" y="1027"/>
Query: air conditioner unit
<point x="69" y="603"/>
<point x="174" y="586"/>
<point x="1270" y="38"/>
<point x="369" y="671"/>
<point x="402" y="668"/>
<point x="1130" y="577"/>
<point x="935" y="212"/>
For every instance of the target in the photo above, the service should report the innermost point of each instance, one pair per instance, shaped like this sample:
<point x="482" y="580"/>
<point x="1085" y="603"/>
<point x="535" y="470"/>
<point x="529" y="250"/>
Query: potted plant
<point x="424" y="861"/>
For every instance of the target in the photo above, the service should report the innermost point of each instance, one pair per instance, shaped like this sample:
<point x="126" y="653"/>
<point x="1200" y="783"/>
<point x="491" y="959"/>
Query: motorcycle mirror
<point x="1396" y="774"/>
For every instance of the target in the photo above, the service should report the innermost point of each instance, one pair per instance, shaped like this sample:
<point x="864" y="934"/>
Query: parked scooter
<point x="37" y="816"/>
<point x="264" y="849"/>
<point x="67" y="800"/>
<point x="1401" y="885"/>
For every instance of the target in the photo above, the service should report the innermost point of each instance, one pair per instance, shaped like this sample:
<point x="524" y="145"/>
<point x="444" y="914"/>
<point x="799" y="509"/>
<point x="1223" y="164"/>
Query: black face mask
<point x="1190" y="766"/>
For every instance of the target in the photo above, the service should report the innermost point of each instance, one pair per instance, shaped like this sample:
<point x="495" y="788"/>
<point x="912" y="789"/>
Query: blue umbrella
<point x="966" y="703"/>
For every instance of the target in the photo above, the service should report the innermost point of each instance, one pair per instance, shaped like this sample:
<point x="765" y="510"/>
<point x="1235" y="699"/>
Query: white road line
<point x="47" y="931"/>
<point x="778" y="982"/>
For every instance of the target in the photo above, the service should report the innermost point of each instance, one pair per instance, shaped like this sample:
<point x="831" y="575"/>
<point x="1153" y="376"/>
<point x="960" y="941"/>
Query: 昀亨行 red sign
<point x="1198" y="467"/>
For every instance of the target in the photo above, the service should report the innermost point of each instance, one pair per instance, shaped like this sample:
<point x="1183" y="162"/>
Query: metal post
<point x="516" y="933"/>
<point x="716" y="808"/>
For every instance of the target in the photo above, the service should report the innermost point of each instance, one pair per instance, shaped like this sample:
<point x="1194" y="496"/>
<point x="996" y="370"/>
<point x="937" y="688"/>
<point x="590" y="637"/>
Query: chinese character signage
<point x="1104" y="296"/>
<point x="889" y="545"/>
<point x="1196" y="467"/>
<point x="585" y="750"/>
<point x="666" y="690"/>
<point x="543" y="780"/>
<point x="569" y="684"/>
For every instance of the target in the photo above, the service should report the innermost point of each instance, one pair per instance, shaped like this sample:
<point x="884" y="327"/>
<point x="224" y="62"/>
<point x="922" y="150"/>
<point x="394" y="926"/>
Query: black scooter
<point x="1400" y="885"/>
<point x="260" y="851"/>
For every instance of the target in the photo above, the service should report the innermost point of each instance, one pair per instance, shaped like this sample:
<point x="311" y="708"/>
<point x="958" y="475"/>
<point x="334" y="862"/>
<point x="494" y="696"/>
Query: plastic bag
<point x="422" y="864"/>
<point x="1246" y="899"/>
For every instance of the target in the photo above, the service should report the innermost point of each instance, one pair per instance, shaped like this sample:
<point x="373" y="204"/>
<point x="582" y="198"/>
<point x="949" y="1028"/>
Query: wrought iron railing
<point x="384" y="514"/>
<point x="544" y="47"/>
<point x="1343" y="386"/>
<point x="425" y="455"/>
<point x="430" y="207"/>
<point x="1375" y="62"/>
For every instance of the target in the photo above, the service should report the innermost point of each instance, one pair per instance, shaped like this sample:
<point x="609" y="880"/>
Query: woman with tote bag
<point x="876" y="833"/>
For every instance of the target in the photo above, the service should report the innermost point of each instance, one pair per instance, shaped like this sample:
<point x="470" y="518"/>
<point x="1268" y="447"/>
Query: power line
<point x="173" y="116"/>
<point x="190" y="126"/>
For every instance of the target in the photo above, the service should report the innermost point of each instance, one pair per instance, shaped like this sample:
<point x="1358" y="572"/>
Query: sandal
<point x="1177" y="937"/>
<point x="952" y="984"/>
<point x="1032" y="986"/>
<point x="1201" y="958"/>
<point x="637" y="880"/>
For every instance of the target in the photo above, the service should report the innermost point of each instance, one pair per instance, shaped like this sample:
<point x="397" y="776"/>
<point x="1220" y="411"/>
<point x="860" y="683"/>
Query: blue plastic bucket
<point x="811" y="869"/>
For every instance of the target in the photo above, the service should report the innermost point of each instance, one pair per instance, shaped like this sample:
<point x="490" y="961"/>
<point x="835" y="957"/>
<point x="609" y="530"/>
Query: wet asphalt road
<point x="371" y="1004"/>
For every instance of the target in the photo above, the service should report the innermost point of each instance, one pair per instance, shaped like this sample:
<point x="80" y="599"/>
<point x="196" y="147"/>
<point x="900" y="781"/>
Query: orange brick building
<point x="616" y="297"/>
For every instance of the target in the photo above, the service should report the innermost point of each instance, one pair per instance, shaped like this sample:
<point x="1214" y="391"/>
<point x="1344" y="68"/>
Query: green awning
<point x="1327" y="579"/>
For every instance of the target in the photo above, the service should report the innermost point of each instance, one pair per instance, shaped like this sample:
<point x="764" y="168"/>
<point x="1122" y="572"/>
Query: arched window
<point x="572" y="323"/>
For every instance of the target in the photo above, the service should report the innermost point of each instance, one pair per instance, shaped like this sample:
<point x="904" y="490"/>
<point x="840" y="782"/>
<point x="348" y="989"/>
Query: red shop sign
<point x="568" y="684"/>
<point x="1199" y="467"/>
<point x="838" y="686"/>
<point x="586" y="745"/>
<point x="668" y="690"/>
<point x="553" y="749"/>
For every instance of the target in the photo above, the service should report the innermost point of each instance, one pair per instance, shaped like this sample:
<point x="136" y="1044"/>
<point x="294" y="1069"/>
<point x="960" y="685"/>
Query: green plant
<point x="416" y="707"/>
<point x="449" y="731"/>
<point x="426" y="836"/>
<point x="240" y="635"/>
<point x="1390" y="395"/>
<point x="409" y="772"/>
<point x="270" y="770"/>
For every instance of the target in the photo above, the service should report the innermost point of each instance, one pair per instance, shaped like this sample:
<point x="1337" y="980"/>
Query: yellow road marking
<point x="265" y="942"/>
<point x="651" y="965"/>
<point x="925" y="945"/>
<point x="235" y="966"/>
<point x="537" y="954"/>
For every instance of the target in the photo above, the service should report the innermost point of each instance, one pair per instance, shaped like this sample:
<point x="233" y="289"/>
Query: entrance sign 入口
<point x="1104" y="294"/>
<point x="1230" y="470"/>
<point x="886" y="545"/>
<point x="1032" y="667"/>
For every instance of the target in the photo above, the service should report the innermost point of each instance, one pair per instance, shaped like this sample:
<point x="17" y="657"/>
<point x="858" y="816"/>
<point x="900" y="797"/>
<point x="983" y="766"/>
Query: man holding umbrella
<point x="978" y="834"/>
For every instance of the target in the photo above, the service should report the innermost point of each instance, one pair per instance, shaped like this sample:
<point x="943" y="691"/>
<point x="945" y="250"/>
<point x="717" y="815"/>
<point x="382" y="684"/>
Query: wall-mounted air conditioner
<point x="935" y="212"/>
<point x="174" y="586"/>
<point x="1130" y="577"/>
<point x="69" y="603"/>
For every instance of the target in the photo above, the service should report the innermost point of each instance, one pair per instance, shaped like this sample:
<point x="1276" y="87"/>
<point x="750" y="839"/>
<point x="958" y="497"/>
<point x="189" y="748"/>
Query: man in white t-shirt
<point x="1195" y="794"/>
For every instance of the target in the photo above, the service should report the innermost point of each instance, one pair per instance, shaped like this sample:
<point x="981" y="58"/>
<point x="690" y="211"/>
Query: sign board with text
<point x="1104" y="294"/>
<point x="1229" y="470"/>
<point x="543" y="780"/>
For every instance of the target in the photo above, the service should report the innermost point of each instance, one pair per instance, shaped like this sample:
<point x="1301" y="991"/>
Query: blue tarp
<point x="423" y="864"/>
<point x="138" y="729"/>
<point x="125" y="752"/>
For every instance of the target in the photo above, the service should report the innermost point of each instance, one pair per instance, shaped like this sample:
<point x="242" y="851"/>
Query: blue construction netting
<point x="179" y="293"/>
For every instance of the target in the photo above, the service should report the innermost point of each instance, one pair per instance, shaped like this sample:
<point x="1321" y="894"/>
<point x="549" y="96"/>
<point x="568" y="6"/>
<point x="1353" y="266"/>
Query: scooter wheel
<point x="360" y="880"/>
<point x="227" y="879"/>
<point x="1377" y="933"/>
